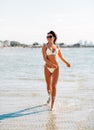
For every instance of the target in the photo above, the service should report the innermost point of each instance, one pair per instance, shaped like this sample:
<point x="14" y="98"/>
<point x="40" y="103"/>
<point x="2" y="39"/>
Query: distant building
<point x="1" y="44"/>
<point x="36" y="45"/>
<point x="76" y="45"/>
<point x="6" y="43"/>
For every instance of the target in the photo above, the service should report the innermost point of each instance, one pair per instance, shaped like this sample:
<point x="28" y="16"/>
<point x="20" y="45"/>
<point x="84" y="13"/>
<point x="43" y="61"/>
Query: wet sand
<point x="27" y="110"/>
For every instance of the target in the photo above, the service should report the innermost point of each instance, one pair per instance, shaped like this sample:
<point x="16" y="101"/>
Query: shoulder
<point x="44" y="47"/>
<point x="57" y="46"/>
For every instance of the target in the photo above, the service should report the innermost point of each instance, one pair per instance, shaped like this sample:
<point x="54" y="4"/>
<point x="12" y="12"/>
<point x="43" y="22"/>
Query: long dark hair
<point x="54" y="35"/>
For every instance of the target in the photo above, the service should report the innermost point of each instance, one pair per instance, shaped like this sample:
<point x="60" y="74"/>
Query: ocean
<point x="26" y="64"/>
<point x="22" y="83"/>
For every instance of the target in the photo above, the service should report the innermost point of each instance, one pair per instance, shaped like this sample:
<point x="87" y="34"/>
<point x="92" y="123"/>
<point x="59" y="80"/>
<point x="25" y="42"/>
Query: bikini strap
<point x="58" y="47"/>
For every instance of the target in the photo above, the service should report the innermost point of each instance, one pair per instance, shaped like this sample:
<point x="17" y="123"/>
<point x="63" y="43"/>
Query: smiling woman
<point x="51" y="69"/>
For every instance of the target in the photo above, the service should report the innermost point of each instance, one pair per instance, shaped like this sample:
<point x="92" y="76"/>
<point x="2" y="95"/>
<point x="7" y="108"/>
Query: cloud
<point x="59" y="20"/>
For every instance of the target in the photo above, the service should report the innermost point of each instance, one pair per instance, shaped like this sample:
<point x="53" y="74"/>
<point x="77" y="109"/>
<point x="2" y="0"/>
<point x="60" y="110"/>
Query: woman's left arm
<point x="62" y="58"/>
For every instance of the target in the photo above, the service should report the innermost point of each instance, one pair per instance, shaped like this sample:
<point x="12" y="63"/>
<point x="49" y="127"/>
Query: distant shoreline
<point x="41" y="47"/>
<point x="8" y="43"/>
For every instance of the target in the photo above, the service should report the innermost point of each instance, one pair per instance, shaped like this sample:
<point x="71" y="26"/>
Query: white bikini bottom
<point x="51" y="69"/>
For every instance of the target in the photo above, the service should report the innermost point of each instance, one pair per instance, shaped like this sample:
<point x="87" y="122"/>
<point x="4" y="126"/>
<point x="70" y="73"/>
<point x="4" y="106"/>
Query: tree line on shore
<point x="8" y="43"/>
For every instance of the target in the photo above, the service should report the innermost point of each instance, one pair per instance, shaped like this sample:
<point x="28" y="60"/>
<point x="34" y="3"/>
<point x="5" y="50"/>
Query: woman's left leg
<point x="55" y="76"/>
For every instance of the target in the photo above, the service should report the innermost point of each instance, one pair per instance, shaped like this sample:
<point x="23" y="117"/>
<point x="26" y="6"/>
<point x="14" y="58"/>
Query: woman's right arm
<point x="46" y="59"/>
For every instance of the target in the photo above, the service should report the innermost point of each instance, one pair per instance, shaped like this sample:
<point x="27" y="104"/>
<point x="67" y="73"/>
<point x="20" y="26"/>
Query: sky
<point x="29" y="21"/>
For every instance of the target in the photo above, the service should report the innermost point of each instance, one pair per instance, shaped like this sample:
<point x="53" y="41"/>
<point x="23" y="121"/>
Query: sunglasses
<point x="49" y="36"/>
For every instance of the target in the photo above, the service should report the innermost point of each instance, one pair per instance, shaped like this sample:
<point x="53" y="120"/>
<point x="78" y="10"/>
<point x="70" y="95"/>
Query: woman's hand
<point x="68" y="65"/>
<point x="52" y="65"/>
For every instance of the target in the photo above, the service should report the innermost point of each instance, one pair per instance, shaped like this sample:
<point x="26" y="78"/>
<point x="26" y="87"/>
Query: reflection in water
<point x="51" y="124"/>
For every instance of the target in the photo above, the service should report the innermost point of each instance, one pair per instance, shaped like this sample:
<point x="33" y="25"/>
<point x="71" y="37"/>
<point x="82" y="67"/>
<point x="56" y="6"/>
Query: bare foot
<point x="48" y="101"/>
<point x="52" y="103"/>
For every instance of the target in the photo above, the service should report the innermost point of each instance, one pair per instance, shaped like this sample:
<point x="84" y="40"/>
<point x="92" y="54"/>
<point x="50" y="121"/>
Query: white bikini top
<point x="50" y="52"/>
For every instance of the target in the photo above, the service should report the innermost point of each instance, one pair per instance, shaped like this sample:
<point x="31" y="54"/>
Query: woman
<point x="51" y="69"/>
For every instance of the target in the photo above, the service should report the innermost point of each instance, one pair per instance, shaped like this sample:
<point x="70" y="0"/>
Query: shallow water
<point x="17" y="64"/>
<point x="22" y="86"/>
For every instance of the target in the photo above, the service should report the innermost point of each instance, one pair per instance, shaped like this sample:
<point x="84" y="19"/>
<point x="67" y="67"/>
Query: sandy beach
<point x="27" y="110"/>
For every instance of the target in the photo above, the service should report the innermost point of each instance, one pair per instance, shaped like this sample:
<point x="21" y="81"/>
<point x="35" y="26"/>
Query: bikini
<point x="50" y="52"/>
